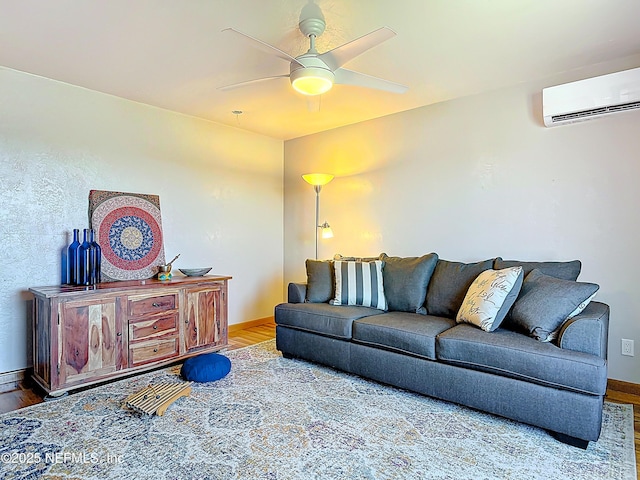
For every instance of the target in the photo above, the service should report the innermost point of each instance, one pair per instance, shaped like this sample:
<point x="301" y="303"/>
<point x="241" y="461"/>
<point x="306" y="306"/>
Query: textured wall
<point x="220" y="192"/>
<point x="476" y="178"/>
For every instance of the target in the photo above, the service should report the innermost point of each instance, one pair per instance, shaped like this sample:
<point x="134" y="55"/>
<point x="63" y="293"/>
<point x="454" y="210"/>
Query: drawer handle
<point x="119" y="334"/>
<point x="155" y="327"/>
<point x="155" y="304"/>
<point x="77" y="353"/>
<point x="195" y="329"/>
<point x="155" y="350"/>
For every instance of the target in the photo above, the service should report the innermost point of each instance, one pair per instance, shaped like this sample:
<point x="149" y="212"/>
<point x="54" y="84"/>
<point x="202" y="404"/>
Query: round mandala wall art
<point x="128" y="227"/>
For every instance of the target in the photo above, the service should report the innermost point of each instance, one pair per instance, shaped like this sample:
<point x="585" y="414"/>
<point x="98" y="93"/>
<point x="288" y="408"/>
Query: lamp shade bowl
<point x="317" y="179"/>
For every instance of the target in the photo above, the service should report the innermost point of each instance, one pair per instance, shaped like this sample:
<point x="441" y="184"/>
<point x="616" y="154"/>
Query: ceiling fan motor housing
<point x="311" y="20"/>
<point x="312" y="26"/>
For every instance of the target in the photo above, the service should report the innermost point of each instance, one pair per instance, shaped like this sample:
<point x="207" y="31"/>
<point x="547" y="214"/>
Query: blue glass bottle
<point x="96" y="258"/>
<point x="73" y="265"/>
<point x="84" y="259"/>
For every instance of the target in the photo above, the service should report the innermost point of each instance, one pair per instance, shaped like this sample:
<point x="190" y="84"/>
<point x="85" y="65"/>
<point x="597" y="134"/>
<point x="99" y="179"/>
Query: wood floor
<point x="620" y="392"/>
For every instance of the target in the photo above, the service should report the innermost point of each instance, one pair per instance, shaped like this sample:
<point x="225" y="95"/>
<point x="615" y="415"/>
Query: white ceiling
<point x="172" y="54"/>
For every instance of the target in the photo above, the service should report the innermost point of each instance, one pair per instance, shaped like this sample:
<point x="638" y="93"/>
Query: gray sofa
<point x="416" y="343"/>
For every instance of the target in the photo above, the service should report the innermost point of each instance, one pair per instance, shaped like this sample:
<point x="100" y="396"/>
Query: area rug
<point x="273" y="418"/>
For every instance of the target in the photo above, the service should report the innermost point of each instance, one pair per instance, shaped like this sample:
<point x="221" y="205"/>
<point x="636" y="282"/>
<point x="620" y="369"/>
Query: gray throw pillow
<point x="406" y="280"/>
<point x="545" y="302"/>
<point x="565" y="270"/>
<point x="320" y="284"/>
<point x="449" y="284"/>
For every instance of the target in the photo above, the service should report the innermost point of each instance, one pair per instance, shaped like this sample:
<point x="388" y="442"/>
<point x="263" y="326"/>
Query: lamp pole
<point x="318" y="180"/>
<point x="317" y="188"/>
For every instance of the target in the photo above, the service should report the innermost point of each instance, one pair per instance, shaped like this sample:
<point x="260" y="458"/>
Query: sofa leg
<point x="573" y="441"/>
<point x="287" y="355"/>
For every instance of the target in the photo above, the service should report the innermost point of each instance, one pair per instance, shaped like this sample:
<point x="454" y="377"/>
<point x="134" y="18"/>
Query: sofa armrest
<point x="587" y="332"/>
<point x="297" y="292"/>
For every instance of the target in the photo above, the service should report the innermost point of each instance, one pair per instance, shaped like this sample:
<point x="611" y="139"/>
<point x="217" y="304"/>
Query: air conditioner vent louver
<point x="591" y="98"/>
<point x="594" y="112"/>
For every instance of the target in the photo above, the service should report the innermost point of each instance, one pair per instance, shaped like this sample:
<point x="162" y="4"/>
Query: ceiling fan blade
<point x="349" y="77"/>
<point x="265" y="47"/>
<point x="249" y="82"/>
<point x="344" y="53"/>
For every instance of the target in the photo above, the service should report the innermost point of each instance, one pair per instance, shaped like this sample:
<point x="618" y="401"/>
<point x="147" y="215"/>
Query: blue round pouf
<point x="207" y="367"/>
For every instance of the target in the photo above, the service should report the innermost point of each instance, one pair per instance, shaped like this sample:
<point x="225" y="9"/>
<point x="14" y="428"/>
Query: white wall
<point x="476" y="178"/>
<point x="220" y="189"/>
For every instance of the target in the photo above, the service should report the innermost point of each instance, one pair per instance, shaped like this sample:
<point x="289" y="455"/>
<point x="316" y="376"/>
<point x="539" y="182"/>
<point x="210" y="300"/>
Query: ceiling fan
<point x="314" y="73"/>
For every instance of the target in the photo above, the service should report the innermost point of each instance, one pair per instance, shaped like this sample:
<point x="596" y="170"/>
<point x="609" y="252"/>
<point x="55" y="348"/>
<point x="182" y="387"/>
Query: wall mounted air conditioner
<point x="591" y="98"/>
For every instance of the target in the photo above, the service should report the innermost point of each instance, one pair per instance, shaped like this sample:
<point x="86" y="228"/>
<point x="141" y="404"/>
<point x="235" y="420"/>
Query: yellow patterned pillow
<point x="490" y="297"/>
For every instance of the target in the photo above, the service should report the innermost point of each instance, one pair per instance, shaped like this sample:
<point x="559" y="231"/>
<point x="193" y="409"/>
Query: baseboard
<point x="11" y="380"/>
<point x="251" y="323"/>
<point x="624" y="387"/>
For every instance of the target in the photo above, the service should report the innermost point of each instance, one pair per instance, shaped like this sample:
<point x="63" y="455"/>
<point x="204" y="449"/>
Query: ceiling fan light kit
<point x="314" y="73"/>
<point x="312" y="80"/>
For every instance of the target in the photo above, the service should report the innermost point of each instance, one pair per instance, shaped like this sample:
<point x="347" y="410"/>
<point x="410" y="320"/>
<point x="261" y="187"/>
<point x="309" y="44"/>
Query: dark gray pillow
<point x="449" y="284"/>
<point x="406" y="280"/>
<point x="320" y="284"/>
<point x="565" y="270"/>
<point x="545" y="302"/>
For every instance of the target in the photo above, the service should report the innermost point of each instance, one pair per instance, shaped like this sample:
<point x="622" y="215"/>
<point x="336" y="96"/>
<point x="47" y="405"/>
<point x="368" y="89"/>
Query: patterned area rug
<point x="273" y="418"/>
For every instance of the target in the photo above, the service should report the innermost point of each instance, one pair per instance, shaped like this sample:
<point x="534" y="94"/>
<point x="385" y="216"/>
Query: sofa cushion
<point x="545" y="302"/>
<point x="320" y="287"/>
<point x="359" y="283"/>
<point x="401" y="331"/>
<point x="490" y="297"/>
<point x="512" y="354"/>
<point x="449" y="284"/>
<point x="321" y="318"/>
<point x="406" y="280"/>
<point x="565" y="270"/>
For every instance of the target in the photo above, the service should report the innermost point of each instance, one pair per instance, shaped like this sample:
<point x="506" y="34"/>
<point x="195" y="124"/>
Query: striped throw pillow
<point x="359" y="283"/>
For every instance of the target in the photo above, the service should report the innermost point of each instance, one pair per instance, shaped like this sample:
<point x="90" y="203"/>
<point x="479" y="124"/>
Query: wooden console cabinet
<point x="84" y="335"/>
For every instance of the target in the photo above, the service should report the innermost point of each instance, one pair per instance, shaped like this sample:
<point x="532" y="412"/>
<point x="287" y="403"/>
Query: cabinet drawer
<point x="149" y="328"/>
<point x="149" y="305"/>
<point x="153" y="350"/>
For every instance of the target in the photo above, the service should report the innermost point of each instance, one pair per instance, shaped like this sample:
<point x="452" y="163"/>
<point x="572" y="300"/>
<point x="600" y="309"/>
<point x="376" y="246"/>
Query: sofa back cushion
<point x="359" y="283"/>
<point x="320" y="286"/>
<point x="564" y="270"/>
<point x="449" y="284"/>
<point x="406" y="280"/>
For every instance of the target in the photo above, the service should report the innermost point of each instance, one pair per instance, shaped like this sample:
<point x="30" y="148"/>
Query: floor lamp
<point x="318" y="180"/>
